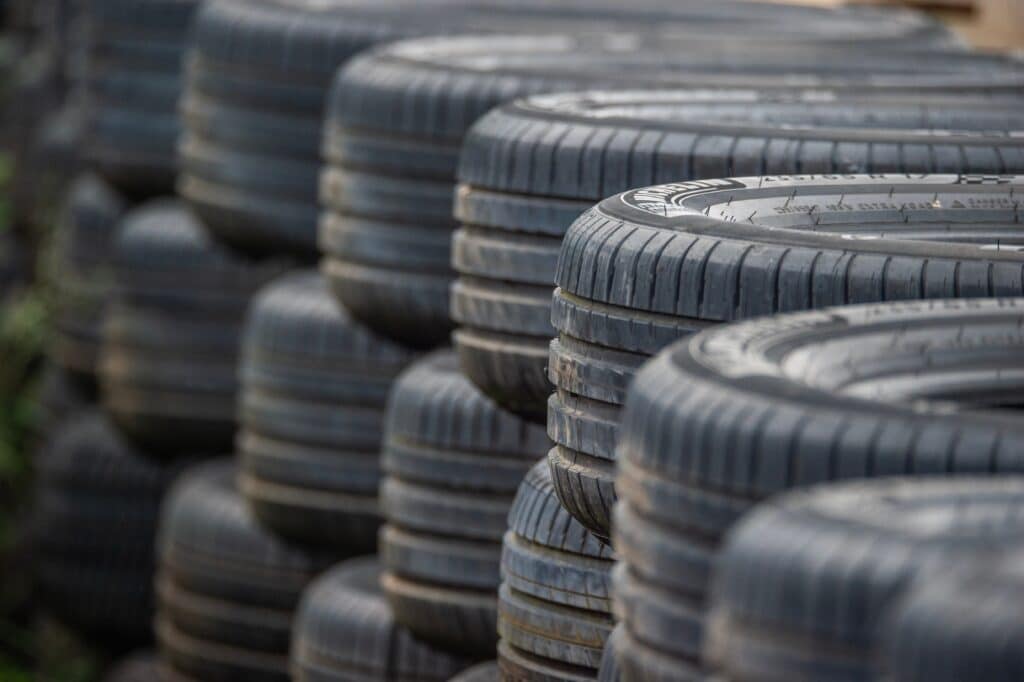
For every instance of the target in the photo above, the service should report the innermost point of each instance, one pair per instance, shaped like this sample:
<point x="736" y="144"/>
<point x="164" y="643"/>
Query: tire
<point x="613" y="309"/>
<point x="427" y="93"/>
<point x="58" y="397"/>
<point x="482" y="672"/>
<point x="513" y="220"/>
<point x="958" y="624"/>
<point x="140" y="667"/>
<point x="453" y="461"/>
<point x="93" y="522"/>
<point x="554" y="610"/>
<point x="344" y="631"/>
<point x="610" y="670"/>
<point x="172" y="334"/>
<point x="85" y="255"/>
<point x="718" y="423"/>
<point x="227" y="588"/>
<point x="806" y="582"/>
<point x="131" y="83"/>
<point x="314" y="385"/>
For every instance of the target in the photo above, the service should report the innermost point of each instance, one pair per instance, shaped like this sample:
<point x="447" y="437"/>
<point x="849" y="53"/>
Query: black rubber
<point x="453" y="461"/>
<point x="94" y="518"/>
<point x="227" y="588"/>
<point x="85" y="255"/>
<point x="648" y="267"/>
<point x="139" y="667"/>
<point x="805" y="582"/>
<point x="482" y="672"/>
<point x="397" y="116"/>
<point x="959" y="625"/>
<point x="611" y="667"/>
<point x="58" y="397"/>
<point x="132" y="80"/>
<point x="344" y="632"/>
<point x="718" y="423"/>
<point x="554" y="610"/>
<point x="532" y="167"/>
<point x="171" y="337"/>
<point x="313" y="390"/>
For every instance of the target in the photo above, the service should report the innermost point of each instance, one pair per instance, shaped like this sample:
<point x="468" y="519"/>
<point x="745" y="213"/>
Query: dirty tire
<point x="530" y="168"/>
<point x="720" y="422"/>
<point x="140" y="667"/>
<point x="314" y="386"/>
<point x="94" y="518"/>
<point x="453" y="461"/>
<point x="345" y="632"/>
<point x="806" y="582"/>
<point x="171" y="335"/>
<point x="956" y="625"/>
<point x="554" y="610"/>
<point x="227" y="589"/>
<point x="631" y="280"/>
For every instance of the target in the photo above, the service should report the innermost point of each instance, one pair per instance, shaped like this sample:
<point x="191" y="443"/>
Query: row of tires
<point x="348" y="442"/>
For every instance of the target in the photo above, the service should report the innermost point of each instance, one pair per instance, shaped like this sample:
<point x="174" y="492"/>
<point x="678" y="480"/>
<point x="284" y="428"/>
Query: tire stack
<point x="94" y="520"/>
<point x="806" y="583"/>
<point x="312" y="412"/>
<point x="133" y="78"/>
<point x="227" y="587"/>
<point x="100" y="486"/>
<point x="387" y="225"/>
<point x="555" y="610"/>
<point x="739" y="413"/>
<point x="453" y="461"/>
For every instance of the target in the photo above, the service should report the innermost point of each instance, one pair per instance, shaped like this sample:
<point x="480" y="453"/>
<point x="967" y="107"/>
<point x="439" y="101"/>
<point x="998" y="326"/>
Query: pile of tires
<point x="453" y="461"/>
<point x="314" y="384"/>
<point x="133" y="78"/>
<point x="227" y="588"/>
<point x="554" y="610"/>
<point x="716" y="424"/>
<point x="172" y="332"/>
<point x="387" y="225"/>
<point x="94" y="520"/>
<point x="653" y="265"/>
<point x="530" y="168"/>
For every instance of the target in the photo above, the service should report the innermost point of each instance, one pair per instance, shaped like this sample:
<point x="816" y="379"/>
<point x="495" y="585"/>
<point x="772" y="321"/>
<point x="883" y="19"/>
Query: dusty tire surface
<point x="453" y="461"/>
<point x="654" y="265"/>
<point x="313" y="391"/>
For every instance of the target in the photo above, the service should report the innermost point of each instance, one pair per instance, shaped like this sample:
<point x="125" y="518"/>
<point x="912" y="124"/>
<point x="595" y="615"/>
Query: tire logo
<point x="667" y="200"/>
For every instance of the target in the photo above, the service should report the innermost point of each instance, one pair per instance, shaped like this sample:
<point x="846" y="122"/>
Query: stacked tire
<point x="314" y="385"/>
<point x="737" y="414"/>
<point x="94" y="520"/>
<point x="453" y="462"/>
<point x="387" y="225"/>
<point x="554" y="610"/>
<point x="133" y="81"/>
<point x="227" y="589"/>
<point x="807" y="582"/>
<point x="85" y="255"/>
<point x="171" y="337"/>
<point x="344" y="631"/>
<point x="654" y="265"/>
